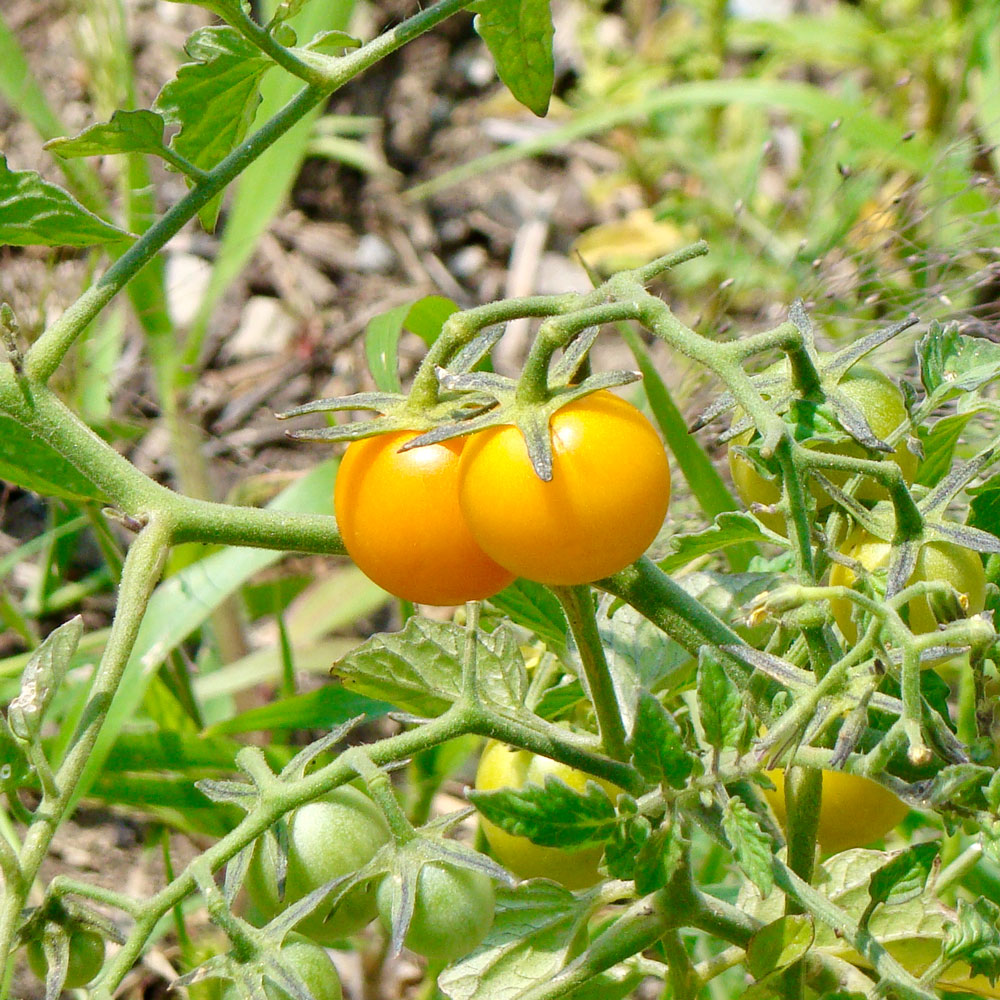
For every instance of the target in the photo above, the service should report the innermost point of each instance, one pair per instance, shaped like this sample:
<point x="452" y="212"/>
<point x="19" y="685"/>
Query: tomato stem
<point x="578" y="604"/>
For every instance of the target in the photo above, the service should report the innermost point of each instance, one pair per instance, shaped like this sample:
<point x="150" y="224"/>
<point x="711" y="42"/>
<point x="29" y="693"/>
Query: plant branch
<point x="578" y="604"/>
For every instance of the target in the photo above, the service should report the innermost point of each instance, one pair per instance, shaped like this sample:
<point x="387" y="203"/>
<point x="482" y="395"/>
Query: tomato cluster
<point x="456" y="521"/>
<point x="339" y="834"/>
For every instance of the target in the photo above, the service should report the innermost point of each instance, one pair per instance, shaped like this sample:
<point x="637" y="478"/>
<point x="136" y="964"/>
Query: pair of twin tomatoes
<point x="458" y="521"/>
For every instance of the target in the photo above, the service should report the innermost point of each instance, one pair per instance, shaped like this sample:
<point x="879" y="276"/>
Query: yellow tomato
<point x="854" y="810"/>
<point x="503" y="767"/>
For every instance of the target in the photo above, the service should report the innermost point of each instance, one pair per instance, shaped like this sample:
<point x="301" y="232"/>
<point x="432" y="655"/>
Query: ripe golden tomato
<point x="854" y="810"/>
<point x="399" y="517"/>
<point x="603" y="507"/>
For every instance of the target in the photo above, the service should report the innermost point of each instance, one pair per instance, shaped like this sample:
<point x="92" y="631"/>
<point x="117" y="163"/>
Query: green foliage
<point x="519" y="36"/>
<point x="703" y="670"/>
<point x="36" y="212"/>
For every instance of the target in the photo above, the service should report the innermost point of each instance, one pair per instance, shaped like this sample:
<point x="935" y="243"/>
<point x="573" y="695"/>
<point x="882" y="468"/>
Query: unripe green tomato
<point x="504" y="767"/>
<point x="452" y="913"/>
<point x="312" y="963"/>
<point x="854" y="810"/>
<point x="326" y="839"/>
<point x="879" y="400"/>
<point x="945" y="561"/>
<point x="86" y="957"/>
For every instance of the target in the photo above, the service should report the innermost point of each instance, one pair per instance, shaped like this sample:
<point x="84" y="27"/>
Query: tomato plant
<point x="86" y="957"/>
<point x="505" y="767"/>
<point x="326" y="839"/>
<point x="854" y="812"/>
<point x="603" y="507"/>
<point x="881" y="404"/>
<point x="452" y="912"/>
<point x="400" y="520"/>
<point x="944" y="561"/>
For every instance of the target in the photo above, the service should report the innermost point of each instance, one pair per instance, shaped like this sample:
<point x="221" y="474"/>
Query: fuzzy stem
<point x="578" y="604"/>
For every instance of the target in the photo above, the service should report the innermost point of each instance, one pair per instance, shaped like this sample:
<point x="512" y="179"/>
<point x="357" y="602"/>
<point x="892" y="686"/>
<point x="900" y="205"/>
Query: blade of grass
<point x="870" y="135"/>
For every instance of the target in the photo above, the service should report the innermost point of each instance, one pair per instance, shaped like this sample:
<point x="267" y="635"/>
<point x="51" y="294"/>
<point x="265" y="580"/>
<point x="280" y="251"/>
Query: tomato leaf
<point x="42" y="676"/>
<point x="14" y="767"/>
<point x="658" y="746"/>
<point x="34" y="212"/>
<point x="518" y="34"/>
<point x="553" y="816"/>
<point x="29" y="462"/>
<point x="751" y="846"/>
<point x="658" y="859"/>
<point x="719" y="703"/>
<point x="419" y="669"/>
<point x="903" y="878"/>
<point x="213" y="99"/>
<point x="731" y="528"/>
<point x="536" y="608"/>
<point x="951" y="363"/>
<point x="127" y="132"/>
<point x="224" y="9"/>
<point x="974" y="937"/>
<point x="532" y="938"/>
<point x="984" y="510"/>
<point x="780" y="943"/>
<point x="939" y="447"/>
<point x="531" y="934"/>
<point x="640" y="656"/>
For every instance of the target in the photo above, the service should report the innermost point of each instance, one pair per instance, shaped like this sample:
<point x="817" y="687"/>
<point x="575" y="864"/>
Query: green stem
<point x="264" y="40"/>
<point x="684" y="981"/>
<point x="578" y="604"/>
<point x="380" y="789"/>
<point x="553" y="742"/>
<point x="140" y="574"/>
<point x="672" y="609"/>
<point x="280" y="800"/>
<point x="803" y="795"/>
<point x="63" y="885"/>
<point x="49" y="350"/>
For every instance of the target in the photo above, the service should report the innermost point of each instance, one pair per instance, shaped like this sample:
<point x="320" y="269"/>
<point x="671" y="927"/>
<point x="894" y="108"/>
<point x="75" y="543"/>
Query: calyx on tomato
<point x="452" y="909"/>
<point x="85" y="954"/>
